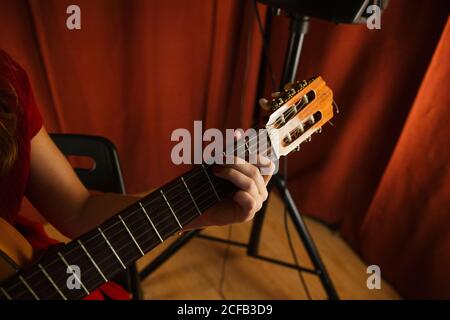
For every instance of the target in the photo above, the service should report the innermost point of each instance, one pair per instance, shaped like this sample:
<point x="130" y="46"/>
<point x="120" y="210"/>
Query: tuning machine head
<point x="289" y="91"/>
<point x="297" y="113"/>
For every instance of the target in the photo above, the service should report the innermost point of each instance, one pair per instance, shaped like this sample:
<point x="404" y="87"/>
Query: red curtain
<point x="375" y="75"/>
<point x="137" y="70"/>
<point x="381" y="174"/>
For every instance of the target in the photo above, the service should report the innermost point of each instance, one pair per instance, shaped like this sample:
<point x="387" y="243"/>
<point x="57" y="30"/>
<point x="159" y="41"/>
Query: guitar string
<point x="118" y="248"/>
<point x="126" y="256"/>
<point x="291" y="111"/>
<point x="168" y="190"/>
<point x="146" y="205"/>
<point x="158" y="223"/>
<point x="163" y="213"/>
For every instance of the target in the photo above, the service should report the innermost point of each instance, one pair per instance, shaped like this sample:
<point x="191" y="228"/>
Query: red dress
<point x="13" y="185"/>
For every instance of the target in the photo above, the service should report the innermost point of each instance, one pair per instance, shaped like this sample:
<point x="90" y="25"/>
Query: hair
<point x="9" y="147"/>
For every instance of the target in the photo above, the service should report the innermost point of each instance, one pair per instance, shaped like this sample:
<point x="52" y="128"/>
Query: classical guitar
<point x="104" y="252"/>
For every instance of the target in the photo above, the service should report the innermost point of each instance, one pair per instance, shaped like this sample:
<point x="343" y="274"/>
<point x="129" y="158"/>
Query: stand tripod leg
<point x="255" y="235"/>
<point x="306" y="238"/>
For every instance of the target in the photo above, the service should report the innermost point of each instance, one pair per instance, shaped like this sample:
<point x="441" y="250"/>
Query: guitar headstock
<point x="298" y="113"/>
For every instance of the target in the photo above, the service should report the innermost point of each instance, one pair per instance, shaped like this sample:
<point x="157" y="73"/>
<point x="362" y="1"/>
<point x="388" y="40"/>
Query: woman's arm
<point x="57" y="193"/>
<point x="55" y="190"/>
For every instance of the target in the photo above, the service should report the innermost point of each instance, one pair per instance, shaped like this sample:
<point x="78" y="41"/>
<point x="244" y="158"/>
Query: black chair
<point x="105" y="176"/>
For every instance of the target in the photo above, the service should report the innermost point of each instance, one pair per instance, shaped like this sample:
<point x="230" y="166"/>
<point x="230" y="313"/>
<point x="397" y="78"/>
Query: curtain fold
<point x="137" y="70"/>
<point x="407" y="226"/>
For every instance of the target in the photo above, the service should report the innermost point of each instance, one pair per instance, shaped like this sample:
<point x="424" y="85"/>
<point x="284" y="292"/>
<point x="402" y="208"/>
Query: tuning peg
<point x="288" y="86"/>
<point x="319" y="130"/>
<point x="276" y="94"/>
<point x="276" y="11"/>
<point x="298" y="148"/>
<point x="336" y="108"/>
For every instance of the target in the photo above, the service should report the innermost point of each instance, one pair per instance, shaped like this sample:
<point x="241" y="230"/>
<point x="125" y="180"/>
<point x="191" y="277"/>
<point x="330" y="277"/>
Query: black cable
<point x="285" y="164"/>
<point x="291" y="245"/>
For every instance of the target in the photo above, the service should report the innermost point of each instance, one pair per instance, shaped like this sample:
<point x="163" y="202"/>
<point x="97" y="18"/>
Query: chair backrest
<point x="104" y="176"/>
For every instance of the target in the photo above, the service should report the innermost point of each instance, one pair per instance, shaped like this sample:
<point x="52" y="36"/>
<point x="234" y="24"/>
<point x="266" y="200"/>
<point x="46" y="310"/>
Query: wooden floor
<point x="195" y="271"/>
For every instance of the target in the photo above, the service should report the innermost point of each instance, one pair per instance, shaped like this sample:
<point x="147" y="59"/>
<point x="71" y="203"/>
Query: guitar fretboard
<point x="102" y="253"/>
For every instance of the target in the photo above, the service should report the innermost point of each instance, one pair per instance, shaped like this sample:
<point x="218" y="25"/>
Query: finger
<point x="239" y="179"/>
<point x="229" y="160"/>
<point x="266" y="167"/>
<point x="247" y="203"/>
<point x="253" y="173"/>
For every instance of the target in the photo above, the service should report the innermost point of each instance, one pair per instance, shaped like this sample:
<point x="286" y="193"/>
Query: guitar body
<point x="14" y="249"/>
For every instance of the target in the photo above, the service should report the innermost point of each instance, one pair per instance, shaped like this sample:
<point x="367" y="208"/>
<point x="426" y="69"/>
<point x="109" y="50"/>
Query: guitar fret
<point x="5" y="294"/>
<point x="192" y="198"/>
<point x="151" y="222"/>
<point x="127" y="240"/>
<point x="246" y="155"/>
<point x="112" y="249"/>
<point x="131" y="235"/>
<point x="25" y="283"/>
<point x="210" y="182"/>
<point x="74" y="274"/>
<point x="92" y="260"/>
<point x="52" y="282"/>
<point x="171" y="210"/>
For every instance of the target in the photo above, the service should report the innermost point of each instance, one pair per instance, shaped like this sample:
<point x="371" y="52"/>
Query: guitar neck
<point x="102" y="253"/>
<point x="107" y="250"/>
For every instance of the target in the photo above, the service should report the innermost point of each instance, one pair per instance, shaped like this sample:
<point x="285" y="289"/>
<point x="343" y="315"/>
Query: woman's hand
<point x="246" y="202"/>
